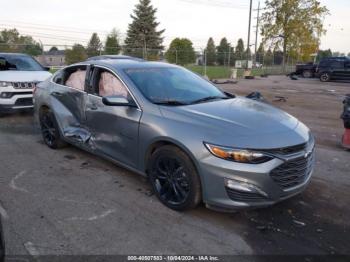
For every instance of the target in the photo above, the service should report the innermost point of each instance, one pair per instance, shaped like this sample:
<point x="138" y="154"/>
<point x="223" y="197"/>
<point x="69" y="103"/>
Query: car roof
<point x="12" y="54"/>
<point x="104" y="57"/>
<point x="120" y="64"/>
<point x="336" y="58"/>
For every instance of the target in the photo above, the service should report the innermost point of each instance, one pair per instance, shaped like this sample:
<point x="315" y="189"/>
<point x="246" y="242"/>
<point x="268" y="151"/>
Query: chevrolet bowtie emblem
<point x="307" y="153"/>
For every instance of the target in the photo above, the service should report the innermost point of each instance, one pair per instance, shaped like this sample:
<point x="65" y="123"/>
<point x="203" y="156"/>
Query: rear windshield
<point x="19" y="63"/>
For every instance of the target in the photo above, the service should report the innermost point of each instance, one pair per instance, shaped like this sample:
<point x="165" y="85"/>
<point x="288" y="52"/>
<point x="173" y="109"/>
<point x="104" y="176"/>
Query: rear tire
<point x="50" y="130"/>
<point x="325" y="77"/>
<point x="174" y="178"/>
<point x="307" y="74"/>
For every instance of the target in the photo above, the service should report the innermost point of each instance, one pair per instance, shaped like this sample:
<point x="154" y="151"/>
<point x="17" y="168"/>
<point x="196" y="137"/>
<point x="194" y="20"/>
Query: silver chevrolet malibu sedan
<point x="193" y="141"/>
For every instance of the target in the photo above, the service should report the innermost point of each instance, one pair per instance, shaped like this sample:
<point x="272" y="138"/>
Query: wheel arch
<point x="167" y="141"/>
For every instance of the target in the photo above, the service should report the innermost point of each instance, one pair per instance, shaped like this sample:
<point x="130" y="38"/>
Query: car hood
<point x="24" y="76"/>
<point x="239" y="120"/>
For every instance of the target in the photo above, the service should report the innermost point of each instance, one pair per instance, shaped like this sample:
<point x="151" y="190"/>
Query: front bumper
<point x="253" y="185"/>
<point x="18" y="100"/>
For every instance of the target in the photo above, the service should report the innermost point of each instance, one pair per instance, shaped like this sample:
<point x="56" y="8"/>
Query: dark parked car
<point x="334" y="68"/>
<point x="306" y="70"/>
<point x="192" y="140"/>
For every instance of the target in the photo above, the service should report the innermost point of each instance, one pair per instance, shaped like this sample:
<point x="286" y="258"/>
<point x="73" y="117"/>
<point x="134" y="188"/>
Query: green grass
<point x="213" y="72"/>
<point x="217" y="72"/>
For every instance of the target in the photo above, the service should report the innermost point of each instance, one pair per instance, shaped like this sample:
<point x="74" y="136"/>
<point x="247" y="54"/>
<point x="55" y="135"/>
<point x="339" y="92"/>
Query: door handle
<point x="57" y="93"/>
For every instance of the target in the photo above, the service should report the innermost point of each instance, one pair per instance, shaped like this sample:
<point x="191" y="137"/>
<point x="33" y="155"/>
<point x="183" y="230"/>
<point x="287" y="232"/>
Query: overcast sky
<point x="70" y="21"/>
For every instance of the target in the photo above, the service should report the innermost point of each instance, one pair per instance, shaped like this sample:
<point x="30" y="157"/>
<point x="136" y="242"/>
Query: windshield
<point x="19" y="63"/>
<point x="175" y="86"/>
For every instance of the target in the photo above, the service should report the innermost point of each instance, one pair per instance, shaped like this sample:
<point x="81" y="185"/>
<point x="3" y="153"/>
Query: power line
<point x="73" y="29"/>
<point x="45" y="28"/>
<point x="50" y="36"/>
<point x="217" y="3"/>
<point x="33" y="30"/>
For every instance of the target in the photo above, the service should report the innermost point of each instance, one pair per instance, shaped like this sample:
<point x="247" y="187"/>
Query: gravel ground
<point x="71" y="202"/>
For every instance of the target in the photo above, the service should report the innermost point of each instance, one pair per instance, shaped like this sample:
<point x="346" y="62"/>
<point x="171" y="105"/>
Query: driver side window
<point x="107" y="84"/>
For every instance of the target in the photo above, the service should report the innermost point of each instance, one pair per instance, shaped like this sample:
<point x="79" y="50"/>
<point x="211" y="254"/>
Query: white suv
<point x="19" y="74"/>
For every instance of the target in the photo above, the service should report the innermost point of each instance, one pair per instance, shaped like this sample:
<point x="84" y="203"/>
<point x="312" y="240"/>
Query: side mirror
<point x="116" y="101"/>
<point x="46" y="68"/>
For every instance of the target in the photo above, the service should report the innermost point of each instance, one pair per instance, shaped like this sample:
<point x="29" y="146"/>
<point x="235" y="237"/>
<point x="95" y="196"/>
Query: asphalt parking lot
<point x="71" y="202"/>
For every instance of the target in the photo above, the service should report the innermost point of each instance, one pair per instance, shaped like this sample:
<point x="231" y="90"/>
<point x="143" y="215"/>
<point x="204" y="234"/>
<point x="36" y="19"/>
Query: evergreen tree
<point x="143" y="38"/>
<point x="260" y="54"/>
<point x="112" y="46"/>
<point x="268" y="58"/>
<point x="240" y="51"/>
<point x="94" y="46"/>
<point x="181" y="52"/>
<point x="248" y="54"/>
<point x="210" y="52"/>
<point x="76" y="54"/>
<point x="232" y="56"/>
<point x="223" y="51"/>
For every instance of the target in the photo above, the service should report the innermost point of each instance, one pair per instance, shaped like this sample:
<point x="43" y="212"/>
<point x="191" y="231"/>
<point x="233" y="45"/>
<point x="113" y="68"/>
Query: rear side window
<point x="73" y="77"/>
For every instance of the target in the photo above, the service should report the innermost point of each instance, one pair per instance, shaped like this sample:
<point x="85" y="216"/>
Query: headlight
<point x="3" y="83"/>
<point x="238" y="155"/>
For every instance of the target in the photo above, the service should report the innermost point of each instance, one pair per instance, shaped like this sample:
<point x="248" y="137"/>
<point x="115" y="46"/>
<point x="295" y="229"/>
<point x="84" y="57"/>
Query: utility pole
<point x="256" y="33"/>
<point x="249" y="25"/>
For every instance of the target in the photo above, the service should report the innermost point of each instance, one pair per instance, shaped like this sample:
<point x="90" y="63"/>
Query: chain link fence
<point x="215" y="66"/>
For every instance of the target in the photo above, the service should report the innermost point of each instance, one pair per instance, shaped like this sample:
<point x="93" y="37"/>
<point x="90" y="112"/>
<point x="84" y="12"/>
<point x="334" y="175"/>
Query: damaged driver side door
<point x="114" y="128"/>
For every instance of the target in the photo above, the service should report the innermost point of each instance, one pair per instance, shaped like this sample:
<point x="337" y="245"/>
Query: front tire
<point x="49" y="129"/>
<point x="325" y="77"/>
<point x="174" y="178"/>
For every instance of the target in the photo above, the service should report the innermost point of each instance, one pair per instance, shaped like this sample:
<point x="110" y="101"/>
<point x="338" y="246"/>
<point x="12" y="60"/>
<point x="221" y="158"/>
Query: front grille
<point x="24" y="102"/>
<point x="240" y="196"/>
<point x="289" y="150"/>
<point x="293" y="172"/>
<point x="24" y="85"/>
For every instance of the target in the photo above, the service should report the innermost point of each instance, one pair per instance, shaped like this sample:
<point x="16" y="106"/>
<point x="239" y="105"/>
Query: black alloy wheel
<point x="174" y="178"/>
<point x="325" y="77"/>
<point x="50" y="130"/>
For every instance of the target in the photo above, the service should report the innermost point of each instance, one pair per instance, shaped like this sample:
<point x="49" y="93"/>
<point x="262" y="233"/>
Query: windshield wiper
<point x="170" y="103"/>
<point x="208" y="98"/>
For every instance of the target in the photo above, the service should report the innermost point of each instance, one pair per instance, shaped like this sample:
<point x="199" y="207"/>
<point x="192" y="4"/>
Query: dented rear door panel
<point x="69" y="104"/>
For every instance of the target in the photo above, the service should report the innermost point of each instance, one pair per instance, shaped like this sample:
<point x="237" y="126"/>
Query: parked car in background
<point x="194" y="142"/>
<point x="334" y="68"/>
<point x="306" y="70"/>
<point x="19" y="74"/>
